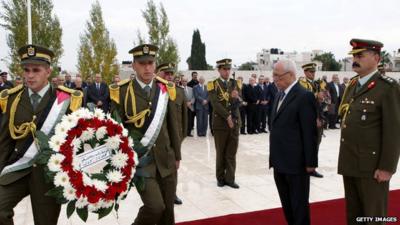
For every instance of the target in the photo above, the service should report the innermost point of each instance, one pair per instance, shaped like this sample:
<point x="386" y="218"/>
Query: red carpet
<point x="330" y="212"/>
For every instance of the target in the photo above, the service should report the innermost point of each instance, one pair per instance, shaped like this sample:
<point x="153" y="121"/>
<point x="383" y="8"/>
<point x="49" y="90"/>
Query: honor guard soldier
<point x="370" y="143"/>
<point x="167" y="71"/>
<point x="313" y="86"/>
<point x="224" y="97"/>
<point x="147" y="109"/>
<point x="37" y="106"/>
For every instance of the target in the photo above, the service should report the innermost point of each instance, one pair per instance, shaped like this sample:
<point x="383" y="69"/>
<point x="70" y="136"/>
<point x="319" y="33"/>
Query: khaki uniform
<point x="369" y="141"/>
<point x="159" y="172"/>
<point x="14" y="186"/>
<point x="182" y="114"/>
<point x="226" y="139"/>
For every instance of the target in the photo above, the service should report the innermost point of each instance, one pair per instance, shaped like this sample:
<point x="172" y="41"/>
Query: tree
<point x="97" y="52"/>
<point x="197" y="59"/>
<point x="46" y="30"/>
<point x="158" y="34"/>
<point x="247" y="66"/>
<point x="329" y="62"/>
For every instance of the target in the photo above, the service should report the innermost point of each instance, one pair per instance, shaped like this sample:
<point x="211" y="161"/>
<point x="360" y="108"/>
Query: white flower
<point x="114" y="176"/>
<point x="87" y="134"/>
<point x="87" y="180"/>
<point x="99" y="113"/>
<point x="56" y="141"/>
<point x="69" y="121"/>
<point x="54" y="162"/>
<point x="86" y="114"/>
<point x="101" y="132"/>
<point x="113" y="142"/>
<point x="107" y="204"/>
<point x="94" y="207"/>
<point x="119" y="160"/>
<point x="69" y="193"/>
<point x="77" y="144"/>
<point x="100" y="185"/>
<point x="124" y="132"/>
<point x="62" y="179"/>
<point x="81" y="203"/>
<point x="130" y="142"/>
<point x="61" y="130"/>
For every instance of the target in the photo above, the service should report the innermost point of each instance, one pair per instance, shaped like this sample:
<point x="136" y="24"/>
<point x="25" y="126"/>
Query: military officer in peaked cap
<point x="25" y="110"/>
<point x="147" y="109"/>
<point x="224" y="97"/>
<point x="370" y="143"/>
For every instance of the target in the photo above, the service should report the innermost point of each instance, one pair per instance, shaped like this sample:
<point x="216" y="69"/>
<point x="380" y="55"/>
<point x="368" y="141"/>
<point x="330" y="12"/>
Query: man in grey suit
<point x="190" y="104"/>
<point x="201" y="105"/>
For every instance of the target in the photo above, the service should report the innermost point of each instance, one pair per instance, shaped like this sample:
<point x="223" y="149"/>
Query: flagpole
<point x="29" y="22"/>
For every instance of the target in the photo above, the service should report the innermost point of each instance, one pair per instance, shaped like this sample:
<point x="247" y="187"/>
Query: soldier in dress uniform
<point x="166" y="71"/>
<point x="369" y="144"/>
<point x="27" y="110"/>
<point x="314" y="86"/>
<point x="224" y="97"/>
<point x="147" y="109"/>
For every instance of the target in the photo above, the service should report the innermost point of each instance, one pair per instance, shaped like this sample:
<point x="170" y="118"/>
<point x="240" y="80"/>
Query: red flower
<point x="371" y="85"/>
<point x="93" y="195"/>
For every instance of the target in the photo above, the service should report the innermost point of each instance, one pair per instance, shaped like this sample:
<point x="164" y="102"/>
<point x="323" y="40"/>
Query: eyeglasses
<point x="279" y="76"/>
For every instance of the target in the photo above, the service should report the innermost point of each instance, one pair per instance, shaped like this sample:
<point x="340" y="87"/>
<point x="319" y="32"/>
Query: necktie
<point x="358" y="88"/>
<point x="98" y="87"/>
<point x="147" y="89"/>
<point x="280" y="99"/>
<point x="35" y="99"/>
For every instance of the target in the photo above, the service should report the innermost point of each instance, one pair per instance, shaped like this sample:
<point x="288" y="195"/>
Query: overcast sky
<point x="236" y="29"/>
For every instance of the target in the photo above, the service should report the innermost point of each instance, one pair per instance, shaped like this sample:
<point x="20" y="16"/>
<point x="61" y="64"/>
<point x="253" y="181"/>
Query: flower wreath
<point x="84" y="191"/>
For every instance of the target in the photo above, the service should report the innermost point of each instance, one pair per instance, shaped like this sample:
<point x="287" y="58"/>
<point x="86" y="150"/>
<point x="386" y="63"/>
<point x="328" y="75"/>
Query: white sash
<point x="154" y="128"/>
<point x="54" y="116"/>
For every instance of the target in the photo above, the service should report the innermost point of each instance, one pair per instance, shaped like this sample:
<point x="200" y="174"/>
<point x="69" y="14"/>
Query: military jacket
<point x="370" y="127"/>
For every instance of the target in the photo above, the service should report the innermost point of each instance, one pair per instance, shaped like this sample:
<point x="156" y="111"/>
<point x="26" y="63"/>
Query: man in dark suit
<point x="98" y="94"/>
<point x="201" y="105"/>
<point x="336" y="92"/>
<point x="5" y="80"/>
<point x="68" y="81"/>
<point x="272" y="90"/>
<point x="251" y="95"/>
<point x="262" y="107"/>
<point x="293" y="143"/>
<point x="242" y="107"/>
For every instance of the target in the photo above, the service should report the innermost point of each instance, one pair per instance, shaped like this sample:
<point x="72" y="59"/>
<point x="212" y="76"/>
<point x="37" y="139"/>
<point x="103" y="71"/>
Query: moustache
<point x="355" y="65"/>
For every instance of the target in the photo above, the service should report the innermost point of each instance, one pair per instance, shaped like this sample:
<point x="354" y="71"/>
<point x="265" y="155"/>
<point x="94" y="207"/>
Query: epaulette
<point x="123" y="82"/>
<point x="170" y="87"/>
<point x="353" y="80"/>
<point x="239" y="84"/>
<point x="114" y="89"/>
<point x="388" y="79"/>
<point x="210" y="85"/>
<point x="5" y="94"/>
<point x="76" y="97"/>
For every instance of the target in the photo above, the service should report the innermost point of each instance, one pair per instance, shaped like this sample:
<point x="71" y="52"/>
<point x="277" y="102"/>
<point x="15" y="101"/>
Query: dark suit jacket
<point x="263" y="94"/>
<point x="200" y="94"/>
<point x="69" y="84"/>
<point x="251" y="94"/>
<point x="94" y="95"/>
<point x="332" y="91"/>
<point x="293" y="138"/>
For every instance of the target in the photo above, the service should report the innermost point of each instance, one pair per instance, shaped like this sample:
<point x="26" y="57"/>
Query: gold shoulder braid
<point x="210" y="85"/>
<point x="137" y="118"/>
<point x="114" y="90"/>
<point x="224" y="94"/>
<point x="170" y="88"/>
<point x="76" y="97"/>
<point x="24" y="129"/>
<point x="344" y="108"/>
<point x="239" y="84"/>
<point x="4" y="96"/>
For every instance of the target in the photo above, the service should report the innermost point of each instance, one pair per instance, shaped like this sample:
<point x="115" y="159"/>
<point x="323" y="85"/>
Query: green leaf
<point x="82" y="213"/>
<point x="116" y="207"/>
<point x="43" y="157"/>
<point x="43" y="140"/>
<point x="115" y="115"/>
<point x="104" y="212"/>
<point x="56" y="192"/>
<point x="99" y="176"/>
<point x="70" y="208"/>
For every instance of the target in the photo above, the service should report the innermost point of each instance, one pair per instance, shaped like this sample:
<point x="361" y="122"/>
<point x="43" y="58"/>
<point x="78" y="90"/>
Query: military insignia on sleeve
<point x="210" y="85"/>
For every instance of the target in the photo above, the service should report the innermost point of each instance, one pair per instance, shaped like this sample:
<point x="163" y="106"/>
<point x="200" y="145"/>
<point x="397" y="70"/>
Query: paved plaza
<point x="198" y="189"/>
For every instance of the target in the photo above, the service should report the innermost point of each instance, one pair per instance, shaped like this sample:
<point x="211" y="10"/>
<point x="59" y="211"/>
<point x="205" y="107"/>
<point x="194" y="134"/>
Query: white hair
<point x="288" y="66"/>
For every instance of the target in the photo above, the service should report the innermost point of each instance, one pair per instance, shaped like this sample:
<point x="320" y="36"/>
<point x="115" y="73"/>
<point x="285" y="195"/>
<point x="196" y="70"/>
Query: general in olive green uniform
<point x="370" y="143"/>
<point x="226" y="122"/>
<point x="25" y="110"/>
<point x="137" y="102"/>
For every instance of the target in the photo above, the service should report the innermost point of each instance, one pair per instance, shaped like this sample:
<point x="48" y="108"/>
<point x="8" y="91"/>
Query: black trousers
<point x="190" y="126"/>
<point x="251" y="118"/>
<point x="262" y="112"/>
<point x="294" y="191"/>
<point x="242" y="110"/>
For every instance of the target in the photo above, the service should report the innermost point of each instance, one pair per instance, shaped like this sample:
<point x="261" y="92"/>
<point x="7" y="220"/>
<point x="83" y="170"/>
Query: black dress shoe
<point x="316" y="174"/>
<point x="220" y="183"/>
<point x="189" y="135"/>
<point x="244" y="133"/>
<point x="233" y="185"/>
<point x="177" y="201"/>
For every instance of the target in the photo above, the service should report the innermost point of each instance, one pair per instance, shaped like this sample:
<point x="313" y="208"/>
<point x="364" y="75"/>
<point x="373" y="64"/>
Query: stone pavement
<point x="198" y="189"/>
